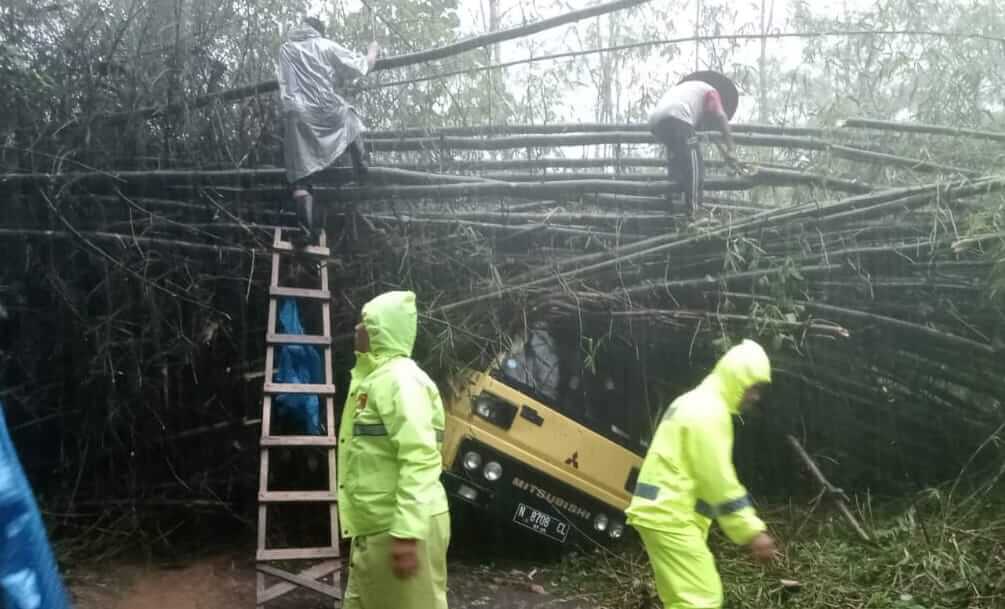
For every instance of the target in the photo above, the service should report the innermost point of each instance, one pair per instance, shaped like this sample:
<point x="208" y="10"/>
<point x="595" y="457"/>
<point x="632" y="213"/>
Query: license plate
<point x="539" y="522"/>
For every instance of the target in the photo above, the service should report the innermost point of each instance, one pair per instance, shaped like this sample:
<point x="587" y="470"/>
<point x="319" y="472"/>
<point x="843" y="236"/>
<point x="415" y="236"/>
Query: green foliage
<point x="928" y="78"/>
<point x="922" y="559"/>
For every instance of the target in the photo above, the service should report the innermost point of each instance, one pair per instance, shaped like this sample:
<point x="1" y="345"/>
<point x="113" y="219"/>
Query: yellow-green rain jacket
<point x="389" y="461"/>
<point x="687" y="477"/>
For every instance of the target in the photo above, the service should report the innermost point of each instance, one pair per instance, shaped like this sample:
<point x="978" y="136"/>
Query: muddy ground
<point x="227" y="581"/>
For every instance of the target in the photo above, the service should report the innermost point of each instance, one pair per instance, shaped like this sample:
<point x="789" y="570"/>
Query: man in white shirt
<point x="701" y="100"/>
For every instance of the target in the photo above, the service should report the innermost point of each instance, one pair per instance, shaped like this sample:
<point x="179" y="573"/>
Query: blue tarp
<point x="29" y="578"/>
<point x="298" y="364"/>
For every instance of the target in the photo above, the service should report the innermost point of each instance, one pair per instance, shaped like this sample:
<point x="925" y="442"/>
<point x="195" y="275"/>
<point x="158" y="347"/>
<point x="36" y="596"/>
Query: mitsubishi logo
<point x="573" y="460"/>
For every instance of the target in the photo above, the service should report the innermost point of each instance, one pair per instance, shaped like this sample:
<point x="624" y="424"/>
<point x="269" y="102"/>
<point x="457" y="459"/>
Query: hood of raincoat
<point x="391" y="321"/>
<point x="743" y="366"/>
<point x="302" y="32"/>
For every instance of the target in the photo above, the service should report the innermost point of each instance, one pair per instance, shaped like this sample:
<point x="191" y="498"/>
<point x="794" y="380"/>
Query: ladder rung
<point x="298" y="339"/>
<point x="278" y="290"/>
<point x="310" y="250"/>
<point x="275" y="388"/>
<point x="296" y="553"/>
<point x="298" y="441"/>
<point x="297" y="497"/>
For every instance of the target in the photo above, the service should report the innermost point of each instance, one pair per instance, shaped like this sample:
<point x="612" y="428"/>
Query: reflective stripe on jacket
<point x="389" y="461"/>
<point x="687" y="477"/>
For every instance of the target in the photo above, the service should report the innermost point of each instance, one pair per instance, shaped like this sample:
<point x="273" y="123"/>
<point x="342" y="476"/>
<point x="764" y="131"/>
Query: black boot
<point x="358" y="155"/>
<point x="304" y="202"/>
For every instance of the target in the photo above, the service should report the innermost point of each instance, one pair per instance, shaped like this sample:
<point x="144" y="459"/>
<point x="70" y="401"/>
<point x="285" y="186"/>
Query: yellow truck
<point x="547" y="441"/>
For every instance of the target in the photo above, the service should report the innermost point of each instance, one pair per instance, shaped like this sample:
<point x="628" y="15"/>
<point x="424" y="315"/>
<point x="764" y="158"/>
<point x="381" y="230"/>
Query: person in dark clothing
<point x="701" y="100"/>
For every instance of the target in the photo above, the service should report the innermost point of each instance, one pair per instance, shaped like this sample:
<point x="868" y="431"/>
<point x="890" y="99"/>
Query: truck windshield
<point x="601" y="390"/>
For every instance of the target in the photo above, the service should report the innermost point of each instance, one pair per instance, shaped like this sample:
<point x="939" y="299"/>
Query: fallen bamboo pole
<point x="569" y="217"/>
<point x="950" y="340"/>
<point x="514" y="228"/>
<point x="856" y="154"/>
<point x="864" y="123"/>
<point x="124" y="240"/>
<point x="234" y="177"/>
<point x="542" y="163"/>
<point x="386" y="63"/>
<point x="834" y="493"/>
<point x="560" y="128"/>
<point x="503" y="142"/>
<point x="665" y="243"/>
<point x="561" y="189"/>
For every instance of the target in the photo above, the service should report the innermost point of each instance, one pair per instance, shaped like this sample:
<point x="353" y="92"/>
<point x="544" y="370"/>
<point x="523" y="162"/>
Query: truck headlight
<point x="600" y="522"/>
<point x="617" y="531"/>
<point x="472" y="461"/>
<point x="495" y="411"/>
<point x="493" y="471"/>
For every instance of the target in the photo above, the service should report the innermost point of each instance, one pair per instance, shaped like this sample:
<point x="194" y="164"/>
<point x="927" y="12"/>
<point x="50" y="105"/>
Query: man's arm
<point x="720" y="494"/>
<point x="727" y="135"/>
<point x="713" y="107"/>
<point x="348" y="62"/>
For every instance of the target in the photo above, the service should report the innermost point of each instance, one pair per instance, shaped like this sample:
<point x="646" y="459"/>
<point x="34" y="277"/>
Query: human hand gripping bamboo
<point x="744" y="169"/>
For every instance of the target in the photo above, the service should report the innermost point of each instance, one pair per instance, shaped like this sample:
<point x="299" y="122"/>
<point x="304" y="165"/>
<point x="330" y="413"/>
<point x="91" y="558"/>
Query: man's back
<point x="685" y="101"/>
<point x="311" y="67"/>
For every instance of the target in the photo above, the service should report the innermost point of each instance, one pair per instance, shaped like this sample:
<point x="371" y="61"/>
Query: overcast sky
<point x="578" y="104"/>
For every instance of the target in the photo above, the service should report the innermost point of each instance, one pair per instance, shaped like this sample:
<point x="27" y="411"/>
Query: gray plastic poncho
<point x="319" y="123"/>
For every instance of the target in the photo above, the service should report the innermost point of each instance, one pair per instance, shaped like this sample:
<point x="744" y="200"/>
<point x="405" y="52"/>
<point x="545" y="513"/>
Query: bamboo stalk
<point x="664" y="243"/>
<point x="386" y="63"/>
<point x="857" y="154"/>
<point x="562" y="189"/>
<point x="560" y="128"/>
<point x="504" y="142"/>
<point x="813" y="325"/>
<point x="864" y="123"/>
<point x="871" y="33"/>
<point x="514" y="228"/>
<point x="930" y="333"/>
<point x="124" y="240"/>
<point x="233" y="177"/>
<point x="652" y="220"/>
<point x="833" y="492"/>
<point x="524" y="164"/>
<point x="491" y="38"/>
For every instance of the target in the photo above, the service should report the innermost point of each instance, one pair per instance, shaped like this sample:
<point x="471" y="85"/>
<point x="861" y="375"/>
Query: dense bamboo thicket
<point x="865" y="255"/>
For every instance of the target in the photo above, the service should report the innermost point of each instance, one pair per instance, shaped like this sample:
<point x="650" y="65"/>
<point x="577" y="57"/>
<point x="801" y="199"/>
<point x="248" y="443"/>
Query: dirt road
<point x="225" y="582"/>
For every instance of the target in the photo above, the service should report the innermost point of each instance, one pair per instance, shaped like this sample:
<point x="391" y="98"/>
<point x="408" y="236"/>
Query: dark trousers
<point x="684" y="163"/>
<point x="305" y="205"/>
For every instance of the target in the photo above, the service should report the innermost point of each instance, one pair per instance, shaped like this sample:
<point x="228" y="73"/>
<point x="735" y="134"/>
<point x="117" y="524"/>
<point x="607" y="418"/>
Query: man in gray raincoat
<point x="320" y="124"/>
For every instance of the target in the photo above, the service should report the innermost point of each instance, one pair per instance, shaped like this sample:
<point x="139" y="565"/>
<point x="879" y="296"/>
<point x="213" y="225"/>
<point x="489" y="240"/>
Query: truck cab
<point x="549" y="438"/>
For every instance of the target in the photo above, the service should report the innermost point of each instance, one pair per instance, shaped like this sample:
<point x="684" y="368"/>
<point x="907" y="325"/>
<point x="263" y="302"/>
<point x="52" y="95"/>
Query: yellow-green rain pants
<point x="372" y="584"/>
<point x="683" y="567"/>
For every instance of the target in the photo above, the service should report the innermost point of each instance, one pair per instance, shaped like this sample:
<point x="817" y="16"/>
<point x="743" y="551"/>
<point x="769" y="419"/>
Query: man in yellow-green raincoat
<point x="391" y="502"/>
<point x="687" y="480"/>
